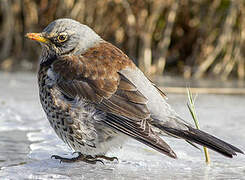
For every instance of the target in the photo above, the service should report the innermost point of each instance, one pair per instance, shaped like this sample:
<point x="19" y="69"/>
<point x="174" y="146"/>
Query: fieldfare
<point x="95" y="97"/>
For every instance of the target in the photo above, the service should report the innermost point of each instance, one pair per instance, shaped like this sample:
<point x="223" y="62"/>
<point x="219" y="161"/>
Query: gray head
<point x="65" y="36"/>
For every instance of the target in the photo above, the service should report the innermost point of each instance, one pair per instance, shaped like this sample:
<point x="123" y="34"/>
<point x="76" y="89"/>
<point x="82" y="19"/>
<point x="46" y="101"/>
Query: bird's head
<point x="65" y="36"/>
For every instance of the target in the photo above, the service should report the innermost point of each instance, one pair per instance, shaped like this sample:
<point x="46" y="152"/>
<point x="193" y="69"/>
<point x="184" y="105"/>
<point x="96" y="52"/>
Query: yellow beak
<point x="37" y="37"/>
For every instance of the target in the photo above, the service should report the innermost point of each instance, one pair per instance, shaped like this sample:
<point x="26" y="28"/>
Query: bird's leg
<point x="81" y="157"/>
<point x="106" y="157"/>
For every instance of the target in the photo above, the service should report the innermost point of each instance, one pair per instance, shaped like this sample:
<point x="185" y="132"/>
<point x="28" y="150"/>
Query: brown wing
<point x="95" y="77"/>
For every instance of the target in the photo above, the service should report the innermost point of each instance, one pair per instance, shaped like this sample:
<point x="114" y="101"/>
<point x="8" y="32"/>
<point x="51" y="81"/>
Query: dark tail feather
<point x="202" y="138"/>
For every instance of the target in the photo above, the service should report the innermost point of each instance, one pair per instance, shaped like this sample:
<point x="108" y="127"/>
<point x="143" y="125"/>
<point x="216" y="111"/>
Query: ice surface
<point x="27" y="141"/>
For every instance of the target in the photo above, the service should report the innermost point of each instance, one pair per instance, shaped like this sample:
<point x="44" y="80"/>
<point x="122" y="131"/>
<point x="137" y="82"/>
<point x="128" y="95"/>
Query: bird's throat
<point x="47" y="60"/>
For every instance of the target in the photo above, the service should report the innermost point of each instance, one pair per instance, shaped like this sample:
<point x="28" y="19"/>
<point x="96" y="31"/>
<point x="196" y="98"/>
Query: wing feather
<point x="110" y="91"/>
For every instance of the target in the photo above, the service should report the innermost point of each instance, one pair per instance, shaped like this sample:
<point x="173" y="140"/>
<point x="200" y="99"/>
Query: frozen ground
<point x="27" y="141"/>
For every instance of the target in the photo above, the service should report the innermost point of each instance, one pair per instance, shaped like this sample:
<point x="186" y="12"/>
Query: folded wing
<point x="95" y="76"/>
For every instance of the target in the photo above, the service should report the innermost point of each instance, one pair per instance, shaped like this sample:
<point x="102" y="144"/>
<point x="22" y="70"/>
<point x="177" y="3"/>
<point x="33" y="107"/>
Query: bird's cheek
<point x="55" y="49"/>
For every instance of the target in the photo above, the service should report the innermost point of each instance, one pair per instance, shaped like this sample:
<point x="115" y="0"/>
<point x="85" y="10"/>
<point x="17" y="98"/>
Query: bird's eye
<point x="62" y="38"/>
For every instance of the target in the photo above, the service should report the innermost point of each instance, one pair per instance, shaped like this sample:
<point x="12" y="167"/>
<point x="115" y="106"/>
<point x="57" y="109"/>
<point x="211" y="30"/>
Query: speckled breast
<point x="58" y="116"/>
<point x="73" y="122"/>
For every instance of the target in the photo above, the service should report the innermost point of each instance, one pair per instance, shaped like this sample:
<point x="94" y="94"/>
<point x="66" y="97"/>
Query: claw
<point x="85" y="158"/>
<point x="75" y="152"/>
<point x="106" y="158"/>
<point x="55" y="157"/>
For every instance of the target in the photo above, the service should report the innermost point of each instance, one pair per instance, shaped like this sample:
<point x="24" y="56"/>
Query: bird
<point x="96" y="98"/>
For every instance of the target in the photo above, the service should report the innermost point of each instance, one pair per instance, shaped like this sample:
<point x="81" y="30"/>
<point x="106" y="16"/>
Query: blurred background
<point x="177" y="43"/>
<point x="189" y="38"/>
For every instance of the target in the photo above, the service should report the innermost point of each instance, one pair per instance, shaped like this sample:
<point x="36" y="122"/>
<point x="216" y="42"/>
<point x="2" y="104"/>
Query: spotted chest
<point x="62" y="116"/>
<point x="74" y="122"/>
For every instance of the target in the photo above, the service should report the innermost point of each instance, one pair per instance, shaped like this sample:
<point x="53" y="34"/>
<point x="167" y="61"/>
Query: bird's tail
<point x="191" y="134"/>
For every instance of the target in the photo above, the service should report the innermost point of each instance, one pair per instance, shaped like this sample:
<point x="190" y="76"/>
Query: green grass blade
<point x="191" y="107"/>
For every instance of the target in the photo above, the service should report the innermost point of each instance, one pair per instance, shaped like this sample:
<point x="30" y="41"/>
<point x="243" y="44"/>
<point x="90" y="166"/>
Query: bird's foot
<point x="81" y="157"/>
<point x="106" y="157"/>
